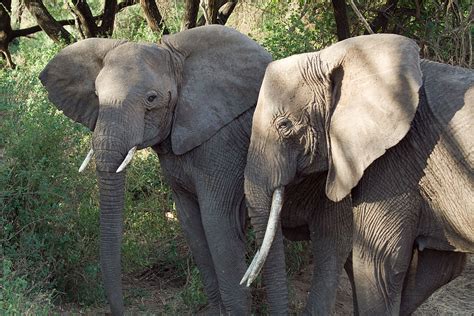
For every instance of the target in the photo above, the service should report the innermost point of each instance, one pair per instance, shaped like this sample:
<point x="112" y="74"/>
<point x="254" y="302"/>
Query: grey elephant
<point x="367" y="119"/>
<point x="191" y="98"/>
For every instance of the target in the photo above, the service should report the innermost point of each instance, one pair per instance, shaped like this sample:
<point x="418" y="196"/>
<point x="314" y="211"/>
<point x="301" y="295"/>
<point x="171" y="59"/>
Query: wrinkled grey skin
<point x="366" y="115"/>
<point x="191" y="98"/>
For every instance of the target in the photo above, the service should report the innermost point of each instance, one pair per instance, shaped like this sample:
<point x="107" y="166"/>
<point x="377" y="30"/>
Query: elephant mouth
<point x="122" y="166"/>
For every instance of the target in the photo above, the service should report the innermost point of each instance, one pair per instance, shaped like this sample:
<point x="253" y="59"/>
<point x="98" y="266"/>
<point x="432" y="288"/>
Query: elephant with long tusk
<point x="366" y="128"/>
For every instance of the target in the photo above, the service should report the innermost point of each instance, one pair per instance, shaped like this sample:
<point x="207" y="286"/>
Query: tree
<point x="54" y="29"/>
<point x="191" y="8"/>
<point x="47" y="23"/>
<point x="6" y="31"/>
<point x="215" y="12"/>
<point x="87" y="25"/>
<point x="342" y="23"/>
<point x="153" y="16"/>
<point x="108" y="18"/>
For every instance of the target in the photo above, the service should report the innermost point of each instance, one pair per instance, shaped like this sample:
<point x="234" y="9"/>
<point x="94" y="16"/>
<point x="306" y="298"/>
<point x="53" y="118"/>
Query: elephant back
<point x="449" y="94"/>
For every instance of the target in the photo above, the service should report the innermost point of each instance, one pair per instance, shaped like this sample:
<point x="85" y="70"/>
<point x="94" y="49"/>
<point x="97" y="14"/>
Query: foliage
<point x="297" y="27"/>
<point x="443" y="29"/>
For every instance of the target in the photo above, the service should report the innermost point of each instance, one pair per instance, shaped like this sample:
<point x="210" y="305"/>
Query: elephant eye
<point x="284" y="125"/>
<point x="151" y="98"/>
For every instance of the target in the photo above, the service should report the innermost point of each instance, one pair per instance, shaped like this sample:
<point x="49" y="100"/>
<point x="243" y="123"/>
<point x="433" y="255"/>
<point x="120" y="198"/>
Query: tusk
<point x="86" y="160"/>
<point x="272" y="226"/>
<point x="127" y="159"/>
<point x="250" y="268"/>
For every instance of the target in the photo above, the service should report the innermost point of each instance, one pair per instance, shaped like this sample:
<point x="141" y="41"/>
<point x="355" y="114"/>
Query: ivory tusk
<point x="272" y="226"/>
<point x="86" y="160"/>
<point x="250" y="268"/>
<point x="127" y="159"/>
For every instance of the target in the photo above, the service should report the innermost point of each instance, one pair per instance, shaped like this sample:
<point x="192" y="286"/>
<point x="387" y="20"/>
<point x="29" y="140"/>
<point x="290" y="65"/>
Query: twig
<point x="361" y="17"/>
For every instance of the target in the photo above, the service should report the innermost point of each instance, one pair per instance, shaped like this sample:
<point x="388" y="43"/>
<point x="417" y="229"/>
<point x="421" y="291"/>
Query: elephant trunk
<point x="110" y="148"/>
<point x="111" y="190"/>
<point x="259" y="203"/>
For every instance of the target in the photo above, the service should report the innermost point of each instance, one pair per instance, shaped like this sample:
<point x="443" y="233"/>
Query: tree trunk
<point x="342" y="23"/>
<point x="153" y="16"/>
<point x="212" y="10"/>
<point x="380" y="22"/>
<point x="6" y="33"/>
<point x="47" y="23"/>
<point x="191" y="8"/>
<point x="225" y="11"/>
<point x="86" y="19"/>
<point x="33" y="29"/>
<point x="107" y="27"/>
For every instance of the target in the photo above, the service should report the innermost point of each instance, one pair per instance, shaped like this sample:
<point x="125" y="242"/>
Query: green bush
<point x="297" y="27"/>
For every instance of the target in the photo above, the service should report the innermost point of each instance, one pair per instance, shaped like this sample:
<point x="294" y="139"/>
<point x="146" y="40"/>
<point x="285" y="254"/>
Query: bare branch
<point x="361" y="17"/>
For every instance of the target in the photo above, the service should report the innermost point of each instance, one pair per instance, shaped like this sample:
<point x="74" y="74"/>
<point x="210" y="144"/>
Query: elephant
<point x="190" y="98"/>
<point x="368" y="120"/>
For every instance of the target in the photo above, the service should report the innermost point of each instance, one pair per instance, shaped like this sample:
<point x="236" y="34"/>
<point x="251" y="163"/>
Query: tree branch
<point x="361" y="17"/>
<point x="191" y="8"/>
<point x="47" y="23"/>
<point x="342" y="22"/>
<point x="153" y="16"/>
<point x="225" y="11"/>
<point x="34" y="29"/>
<point x="107" y="26"/>
<point x="84" y="13"/>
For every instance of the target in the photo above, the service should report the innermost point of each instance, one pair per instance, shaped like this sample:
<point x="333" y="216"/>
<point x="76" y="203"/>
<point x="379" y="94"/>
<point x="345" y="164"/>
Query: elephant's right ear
<point x="375" y="85"/>
<point x="70" y="77"/>
<point x="222" y="73"/>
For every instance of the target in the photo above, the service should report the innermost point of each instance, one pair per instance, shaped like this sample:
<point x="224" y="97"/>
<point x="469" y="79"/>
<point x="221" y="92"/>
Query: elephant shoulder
<point x="449" y="89"/>
<point x="450" y="98"/>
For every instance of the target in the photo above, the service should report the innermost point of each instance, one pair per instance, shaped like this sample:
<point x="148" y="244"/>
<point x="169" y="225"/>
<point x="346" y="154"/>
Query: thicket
<point x="49" y="212"/>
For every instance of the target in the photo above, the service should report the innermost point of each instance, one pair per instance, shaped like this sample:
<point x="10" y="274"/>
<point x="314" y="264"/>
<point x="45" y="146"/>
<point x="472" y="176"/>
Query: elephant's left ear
<point x="222" y="73"/>
<point x="375" y="80"/>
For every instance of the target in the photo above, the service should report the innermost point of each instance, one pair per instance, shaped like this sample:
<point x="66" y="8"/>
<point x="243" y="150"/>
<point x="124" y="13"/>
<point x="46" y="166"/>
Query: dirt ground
<point x="159" y="295"/>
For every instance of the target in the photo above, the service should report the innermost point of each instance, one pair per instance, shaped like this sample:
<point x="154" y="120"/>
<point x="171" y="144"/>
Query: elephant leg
<point x="384" y="232"/>
<point x="429" y="270"/>
<point x="331" y="239"/>
<point x="350" y="275"/>
<point x="190" y="219"/>
<point x="223" y="213"/>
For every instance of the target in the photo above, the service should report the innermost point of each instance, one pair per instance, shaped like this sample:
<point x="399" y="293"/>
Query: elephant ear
<point x="375" y="82"/>
<point x="222" y="73"/>
<point x="70" y="77"/>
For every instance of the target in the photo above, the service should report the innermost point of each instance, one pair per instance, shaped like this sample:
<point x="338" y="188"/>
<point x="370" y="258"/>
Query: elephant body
<point x="307" y="214"/>
<point x="366" y="126"/>
<point x="207" y="186"/>
<point x="191" y="99"/>
<point x="420" y="192"/>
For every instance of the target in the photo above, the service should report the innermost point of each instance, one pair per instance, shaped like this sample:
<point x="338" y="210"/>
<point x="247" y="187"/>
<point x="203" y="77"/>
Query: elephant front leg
<point x="429" y="270"/>
<point x="331" y="239"/>
<point x="190" y="219"/>
<point x="222" y="218"/>
<point x="382" y="249"/>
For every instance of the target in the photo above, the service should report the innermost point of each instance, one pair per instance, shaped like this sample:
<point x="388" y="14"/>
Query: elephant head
<point x="333" y="112"/>
<point x="135" y="95"/>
